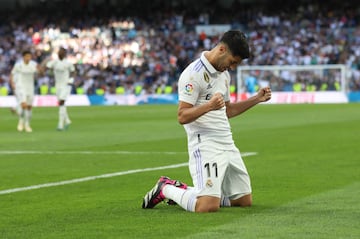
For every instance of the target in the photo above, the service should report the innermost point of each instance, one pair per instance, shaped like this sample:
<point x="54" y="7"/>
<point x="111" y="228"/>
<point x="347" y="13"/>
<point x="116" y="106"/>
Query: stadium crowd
<point x="120" y="54"/>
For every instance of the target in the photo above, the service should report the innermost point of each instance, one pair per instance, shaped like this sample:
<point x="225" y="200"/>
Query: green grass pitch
<point x="305" y="174"/>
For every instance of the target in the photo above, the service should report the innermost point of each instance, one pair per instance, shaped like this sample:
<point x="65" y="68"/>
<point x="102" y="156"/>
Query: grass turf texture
<point x="305" y="176"/>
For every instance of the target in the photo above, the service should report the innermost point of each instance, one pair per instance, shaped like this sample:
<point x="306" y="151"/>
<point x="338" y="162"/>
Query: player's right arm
<point x="189" y="90"/>
<point x="72" y="71"/>
<point x="188" y="113"/>
<point x="12" y="79"/>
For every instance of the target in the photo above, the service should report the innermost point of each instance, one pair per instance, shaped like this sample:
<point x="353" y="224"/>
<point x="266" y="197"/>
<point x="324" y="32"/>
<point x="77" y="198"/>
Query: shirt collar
<point x="207" y="64"/>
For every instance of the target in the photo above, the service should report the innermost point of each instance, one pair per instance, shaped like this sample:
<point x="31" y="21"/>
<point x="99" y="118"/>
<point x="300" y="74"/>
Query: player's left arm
<point x="72" y="70"/>
<point x="45" y="65"/>
<point x="234" y="109"/>
<point x="39" y="70"/>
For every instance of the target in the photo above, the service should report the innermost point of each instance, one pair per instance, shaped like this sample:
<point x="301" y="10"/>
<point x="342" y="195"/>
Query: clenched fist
<point x="217" y="101"/>
<point x="264" y="94"/>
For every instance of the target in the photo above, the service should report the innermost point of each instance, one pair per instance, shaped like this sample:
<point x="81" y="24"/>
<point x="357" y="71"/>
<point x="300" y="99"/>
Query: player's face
<point x="62" y="53"/>
<point x="228" y="62"/>
<point x="27" y="58"/>
<point x="233" y="61"/>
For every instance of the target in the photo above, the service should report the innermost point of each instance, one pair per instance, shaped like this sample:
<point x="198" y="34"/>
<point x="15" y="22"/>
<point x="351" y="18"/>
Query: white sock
<point x="225" y="202"/>
<point x="62" y="112"/>
<point x="28" y="114"/>
<point x="67" y="119"/>
<point x="184" y="198"/>
<point x="21" y="115"/>
<point x="19" y="110"/>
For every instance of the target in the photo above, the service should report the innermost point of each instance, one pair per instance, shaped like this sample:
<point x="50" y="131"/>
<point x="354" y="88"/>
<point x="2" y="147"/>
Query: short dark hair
<point x="237" y="43"/>
<point x="63" y="49"/>
<point x="25" y="52"/>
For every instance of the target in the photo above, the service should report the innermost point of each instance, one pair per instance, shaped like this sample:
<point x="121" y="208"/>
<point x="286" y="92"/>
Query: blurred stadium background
<point x="88" y="181"/>
<point x="131" y="52"/>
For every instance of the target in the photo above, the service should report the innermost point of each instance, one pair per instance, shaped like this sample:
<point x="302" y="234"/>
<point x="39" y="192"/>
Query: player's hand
<point x="264" y="94"/>
<point x="217" y="101"/>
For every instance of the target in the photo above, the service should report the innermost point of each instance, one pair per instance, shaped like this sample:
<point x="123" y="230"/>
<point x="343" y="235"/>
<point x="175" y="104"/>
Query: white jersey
<point x="197" y="84"/>
<point x="15" y="79"/>
<point x="62" y="70"/>
<point x="24" y="76"/>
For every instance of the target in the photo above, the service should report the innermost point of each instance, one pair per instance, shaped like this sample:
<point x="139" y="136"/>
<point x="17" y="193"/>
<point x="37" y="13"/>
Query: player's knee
<point x="243" y="201"/>
<point x="246" y="204"/>
<point x="207" y="204"/>
<point x="207" y="208"/>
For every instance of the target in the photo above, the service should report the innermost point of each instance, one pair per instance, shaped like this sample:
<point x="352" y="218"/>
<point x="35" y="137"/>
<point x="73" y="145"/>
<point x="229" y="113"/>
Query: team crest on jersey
<point x="189" y="89"/>
<point x="209" y="184"/>
<point x="206" y="77"/>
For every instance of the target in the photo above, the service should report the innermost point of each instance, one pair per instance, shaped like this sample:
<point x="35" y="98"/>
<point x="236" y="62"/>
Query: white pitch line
<point x="78" y="180"/>
<point x="9" y="152"/>
<point x="109" y="175"/>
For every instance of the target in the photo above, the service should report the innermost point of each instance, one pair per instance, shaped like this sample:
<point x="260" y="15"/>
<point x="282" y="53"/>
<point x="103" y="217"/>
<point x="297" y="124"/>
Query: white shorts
<point x="24" y="97"/>
<point x="63" y="92"/>
<point x="17" y="95"/>
<point x="219" y="173"/>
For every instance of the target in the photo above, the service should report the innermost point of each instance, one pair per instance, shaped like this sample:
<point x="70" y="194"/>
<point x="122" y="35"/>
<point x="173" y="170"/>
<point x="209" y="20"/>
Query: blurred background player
<point x="23" y="73"/>
<point x="64" y="73"/>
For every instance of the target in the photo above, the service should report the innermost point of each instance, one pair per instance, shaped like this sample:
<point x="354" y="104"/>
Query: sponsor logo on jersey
<point x="189" y="89"/>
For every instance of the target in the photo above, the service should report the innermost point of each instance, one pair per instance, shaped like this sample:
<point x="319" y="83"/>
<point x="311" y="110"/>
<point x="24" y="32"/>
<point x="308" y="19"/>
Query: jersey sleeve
<point x="34" y="65"/>
<point x="71" y="67"/>
<point x="188" y="88"/>
<point x="50" y="64"/>
<point x="15" y="69"/>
